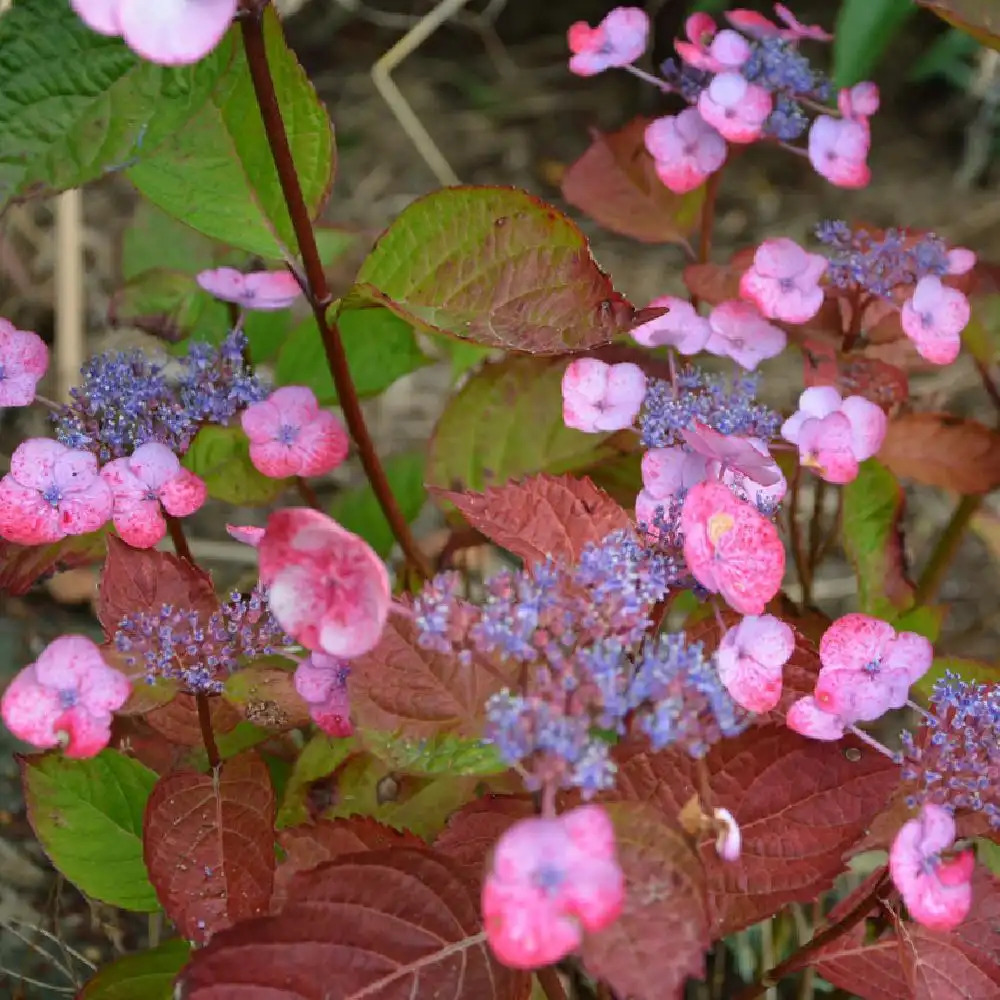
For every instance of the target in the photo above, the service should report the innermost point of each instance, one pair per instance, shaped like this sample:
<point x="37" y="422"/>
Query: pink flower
<point x="680" y="327"/>
<point x="758" y="26"/>
<point x="741" y="333"/>
<point x="23" y="361"/>
<point x="150" y="479"/>
<point x="550" y="880"/>
<point x="327" y="588"/>
<point x="961" y="260"/>
<point x="736" y="108"/>
<point x="264" y="291"/>
<point x="838" y="149"/>
<point x="731" y="548"/>
<point x="784" y="281"/>
<point x="291" y="436"/>
<point x="247" y="533"/>
<point x="50" y="492"/>
<point x="934" y="317"/>
<point x="806" y="718"/>
<point x="600" y="397"/>
<point x="728" y="840"/>
<point x="716" y="53"/>
<point x="685" y="149"/>
<point x="322" y="683"/>
<point x="617" y="41"/>
<point x="65" y="697"/>
<point x="860" y="101"/>
<point x="741" y="483"/>
<point x="666" y="473"/>
<point x="171" y="32"/>
<point x="735" y="453"/>
<point x="751" y="657"/>
<point x="867" y="668"/>
<point x="937" y="892"/>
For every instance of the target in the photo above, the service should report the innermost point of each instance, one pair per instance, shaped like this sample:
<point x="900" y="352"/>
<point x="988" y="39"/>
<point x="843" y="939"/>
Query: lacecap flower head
<point x="24" y="359"/>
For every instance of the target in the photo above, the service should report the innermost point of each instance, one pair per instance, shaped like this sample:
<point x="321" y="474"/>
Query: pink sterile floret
<point x="600" y="397"/>
<point x="23" y="361"/>
<point x="680" y="327"/>
<point x="264" y="291"/>
<point x="321" y="681"/>
<point x="741" y="333"/>
<point x="550" y="880"/>
<point x="751" y="657"/>
<point x="806" y="718"/>
<point x="171" y="32"/>
<point x="65" y="697"/>
<point x="784" y="281"/>
<point x="291" y="436"/>
<point x="937" y="892"/>
<point x="757" y="26"/>
<point x="685" y="149"/>
<point x="934" y="317"/>
<point x="143" y="483"/>
<point x="248" y="534"/>
<point x="666" y="473"/>
<point x="729" y="839"/>
<point x="52" y="491"/>
<point x="617" y="41"/>
<point x="746" y="456"/>
<point x="961" y="260"/>
<point x="735" y="107"/>
<point x="326" y="587"/>
<point x="731" y="548"/>
<point x="838" y="149"/>
<point x="860" y="101"/>
<point x="867" y="668"/>
<point x="727" y="50"/>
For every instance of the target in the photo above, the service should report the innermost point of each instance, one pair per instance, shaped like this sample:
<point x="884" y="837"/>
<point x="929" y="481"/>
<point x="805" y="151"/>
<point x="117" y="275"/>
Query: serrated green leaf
<point x="320" y="757"/>
<point x="222" y="153"/>
<point x="147" y="975"/>
<point x="444" y="754"/>
<point x="88" y="814"/>
<point x="221" y="456"/>
<point x="864" y="30"/>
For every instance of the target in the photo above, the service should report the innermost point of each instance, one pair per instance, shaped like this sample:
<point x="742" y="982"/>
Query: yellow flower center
<point x="718" y="525"/>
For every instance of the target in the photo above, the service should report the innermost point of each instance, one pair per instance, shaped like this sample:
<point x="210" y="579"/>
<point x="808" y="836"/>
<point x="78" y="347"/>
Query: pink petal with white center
<point x="175" y="32"/>
<point x="911" y="653"/>
<point x="680" y="327"/>
<point x="155" y="464"/>
<point x="806" y="718"/>
<point x="297" y="600"/>
<point x="184" y="494"/>
<point x="868" y="426"/>
<point x="322" y="445"/>
<point x="826" y="447"/>
<point x="934" y="317"/>
<point x="98" y="15"/>
<point x="140" y="524"/>
<point x="784" y="281"/>
<point x="25" y="518"/>
<point x="33" y="463"/>
<point x="268" y="291"/>
<point x="685" y="149"/>
<point x="29" y="709"/>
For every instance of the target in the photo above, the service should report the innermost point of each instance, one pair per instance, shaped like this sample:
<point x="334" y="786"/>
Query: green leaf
<point x="864" y="29"/>
<point x="266" y="332"/>
<point x="221" y="456"/>
<point x="156" y="240"/>
<point x="333" y="242"/>
<point x="968" y="670"/>
<point x="380" y="348"/>
<point x="988" y="854"/>
<point x="443" y="754"/>
<point x="359" y="511"/>
<point x="170" y="305"/>
<point x="88" y="816"/>
<point x="243" y="736"/>
<point x="147" y="975"/>
<point x="925" y="620"/>
<point x="319" y="758"/>
<point x="507" y="422"/>
<point x="222" y="153"/>
<point x="75" y="104"/>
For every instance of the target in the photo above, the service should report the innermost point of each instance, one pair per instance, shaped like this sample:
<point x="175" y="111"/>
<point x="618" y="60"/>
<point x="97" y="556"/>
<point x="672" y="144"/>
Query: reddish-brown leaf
<point x="22" y="566"/>
<point x="542" y="515"/>
<point x="266" y="696"/>
<point x="381" y="925"/>
<point x="400" y="687"/>
<point x="134" y="737"/>
<point x="616" y="184"/>
<point x="937" y="449"/>
<point x="854" y="375"/>
<point x="979" y="18"/>
<point x="313" y="844"/>
<point x="661" y="938"/>
<point x="208" y="842"/>
<point x="178" y="719"/>
<point x="715" y="283"/>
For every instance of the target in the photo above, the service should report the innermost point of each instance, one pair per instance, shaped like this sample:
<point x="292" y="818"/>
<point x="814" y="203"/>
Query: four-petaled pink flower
<point x="23" y="361"/>
<point x="732" y="452"/>
<point x="65" y="697"/>
<point x="838" y="150"/>
<point x="736" y="108"/>
<point x="321" y="681"/>
<point x="757" y="26"/>
<point x="550" y="880"/>
<point x="601" y="397"/>
<point x="617" y="41"/>
<point x="784" y="281"/>
<point x="265" y="291"/>
<point x="685" y="149"/>
<point x="716" y="53"/>
<point x="934" y="317"/>
<point x="751" y="657"/>
<point x="860" y="101"/>
<point x="50" y="492"/>
<point x="832" y="434"/>
<point x="666" y="473"/>
<point x="741" y="333"/>
<point x="731" y="548"/>
<point x="170" y="32"/>
<point x="151" y="478"/>
<point x="326" y="586"/>
<point x="937" y="891"/>
<point x="680" y="327"/>
<point x="291" y="436"/>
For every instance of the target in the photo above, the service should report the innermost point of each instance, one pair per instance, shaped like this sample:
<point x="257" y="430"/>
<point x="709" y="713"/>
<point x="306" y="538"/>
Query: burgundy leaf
<point x="22" y="566"/>
<point x="178" y="719"/>
<point x="266" y="696"/>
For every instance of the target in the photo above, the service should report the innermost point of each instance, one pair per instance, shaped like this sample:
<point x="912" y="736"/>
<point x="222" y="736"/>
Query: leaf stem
<point x="307" y="493"/>
<point x="550" y="983"/>
<point x="181" y="546"/>
<point x="708" y="215"/>
<point x="945" y="550"/>
<point x="207" y="733"/>
<point x="317" y="290"/>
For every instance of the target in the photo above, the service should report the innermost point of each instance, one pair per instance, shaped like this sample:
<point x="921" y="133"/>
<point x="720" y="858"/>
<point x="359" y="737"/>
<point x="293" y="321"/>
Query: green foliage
<point x="320" y="757"/>
<point x="443" y="754"/>
<point x="157" y="240"/>
<point x="864" y="30"/>
<point x="146" y="975"/>
<point x="221" y="456"/>
<point x="968" y="670"/>
<point x="171" y="305"/>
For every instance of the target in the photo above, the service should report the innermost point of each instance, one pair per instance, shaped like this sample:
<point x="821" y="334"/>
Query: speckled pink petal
<point x="855" y="696"/>
<point x="853" y="641"/>
<point x="126" y="486"/>
<point x="76" y="472"/>
<point x="87" y="734"/>
<point x="86" y="508"/>
<point x="184" y="494"/>
<point x="174" y="32"/>
<point x="297" y="601"/>
<point x="248" y="534"/>
<point x="67" y="660"/>
<point x="29" y="709"/>
<point x="155" y="464"/>
<point x="140" y="524"/>
<point x="33" y="463"/>
<point x="322" y="445"/>
<point x="25" y="518"/>
<point x="25" y="351"/>
<point x="909" y="652"/>
<point x="826" y="447"/>
<point x="806" y="718"/>
<point x="868" y="426"/>
<point x="274" y="459"/>
<point x="354" y="631"/>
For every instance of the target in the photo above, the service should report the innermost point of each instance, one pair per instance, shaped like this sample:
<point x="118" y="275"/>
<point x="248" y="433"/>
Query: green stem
<point x="945" y="550"/>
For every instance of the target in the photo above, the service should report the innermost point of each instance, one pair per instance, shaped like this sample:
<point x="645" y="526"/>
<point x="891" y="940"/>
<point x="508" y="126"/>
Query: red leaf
<point x="313" y="844"/>
<point x="383" y="925"/>
<point x="266" y="696"/>
<point x="22" y="566"/>
<point x="178" y="719"/>
<point x="134" y="737"/>
<point x="661" y="938"/>
<point x="208" y="842"/>
<point x="137" y="580"/>
<point x="937" y="449"/>
<point x="715" y="283"/>
<point x="542" y="515"/>
<point x="616" y="184"/>
<point x="400" y="687"/>
<point x="854" y="375"/>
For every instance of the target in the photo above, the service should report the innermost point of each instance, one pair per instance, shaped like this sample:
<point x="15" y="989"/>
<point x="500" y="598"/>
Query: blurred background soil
<point x="494" y="92"/>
